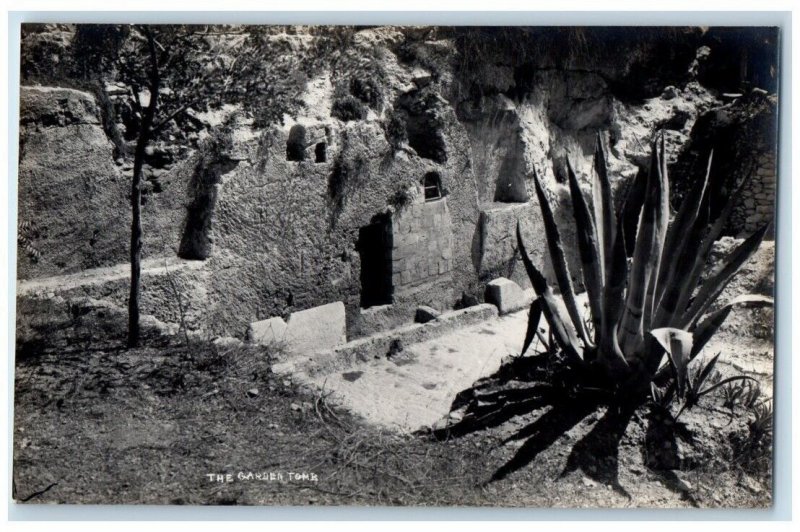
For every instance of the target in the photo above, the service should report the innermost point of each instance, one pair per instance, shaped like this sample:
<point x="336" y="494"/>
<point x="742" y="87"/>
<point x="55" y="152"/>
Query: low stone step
<point x="379" y="345"/>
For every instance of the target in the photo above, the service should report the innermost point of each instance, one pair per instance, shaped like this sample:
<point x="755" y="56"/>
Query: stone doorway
<point x="375" y="250"/>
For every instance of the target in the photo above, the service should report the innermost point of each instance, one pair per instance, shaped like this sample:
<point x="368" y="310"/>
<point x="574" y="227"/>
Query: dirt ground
<point x="197" y="423"/>
<point x="108" y="425"/>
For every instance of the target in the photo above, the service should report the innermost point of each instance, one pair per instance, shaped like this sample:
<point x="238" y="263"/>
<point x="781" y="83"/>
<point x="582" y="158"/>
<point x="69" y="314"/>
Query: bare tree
<point x="179" y="67"/>
<point x="151" y="59"/>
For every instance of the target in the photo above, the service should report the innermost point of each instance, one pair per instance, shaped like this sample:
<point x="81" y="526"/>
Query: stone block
<point x="266" y="332"/>
<point x="763" y="172"/>
<point x="398" y="265"/>
<point x="401" y="253"/>
<point x="498" y="241"/>
<point x="316" y="329"/>
<point x="424" y="314"/>
<point x="505" y="294"/>
<point x="305" y="332"/>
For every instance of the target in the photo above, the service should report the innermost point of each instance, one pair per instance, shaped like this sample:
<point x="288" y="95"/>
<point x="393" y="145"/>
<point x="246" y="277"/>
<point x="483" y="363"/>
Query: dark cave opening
<point x="426" y="138"/>
<point x="296" y="145"/>
<point x="321" y="152"/>
<point x="197" y="239"/>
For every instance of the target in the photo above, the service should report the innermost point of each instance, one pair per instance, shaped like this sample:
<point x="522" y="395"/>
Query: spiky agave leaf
<point x="632" y="208"/>
<point x="614" y="302"/>
<point x="559" y="262"/>
<point x="714" y="286"/>
<point x="677" y="344"/>
<point x="590" y="251"/>
<point x="552" y="307"/>
<point x="534" y="316"/>
<point x="688" y="283"/>
<point x="659" y="238"/>
<point x="679" y="282"/>
<point x="603" y="206"/>
<point x="706" y="328"/>
<point x="632" y="326"/>
<point x="683" y="223"/>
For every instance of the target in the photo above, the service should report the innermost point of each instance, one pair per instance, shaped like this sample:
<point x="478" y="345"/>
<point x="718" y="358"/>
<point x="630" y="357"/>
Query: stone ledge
<point x="172" y="289"/>
<point x="367" y="348"/>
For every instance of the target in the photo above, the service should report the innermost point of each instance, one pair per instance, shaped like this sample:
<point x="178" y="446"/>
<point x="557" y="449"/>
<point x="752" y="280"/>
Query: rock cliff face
<point x="71" y="194"/>
<point x="299" y="224"/>
<point x="400" y="186"/>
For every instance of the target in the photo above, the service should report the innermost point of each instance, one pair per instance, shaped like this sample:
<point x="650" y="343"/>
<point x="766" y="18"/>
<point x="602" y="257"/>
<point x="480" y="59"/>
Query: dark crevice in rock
<point x="197" y="240"/>
<point x="421" y="111"/>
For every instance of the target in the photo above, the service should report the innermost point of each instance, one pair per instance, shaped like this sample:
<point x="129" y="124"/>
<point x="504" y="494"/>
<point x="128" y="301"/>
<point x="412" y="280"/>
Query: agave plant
<point x="26" y="234"/>
<point x="656" y="304"/>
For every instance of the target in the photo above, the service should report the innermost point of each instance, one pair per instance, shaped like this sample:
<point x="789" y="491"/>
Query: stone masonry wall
<point x="757" y="204"/>
<point x="422" y="249"/>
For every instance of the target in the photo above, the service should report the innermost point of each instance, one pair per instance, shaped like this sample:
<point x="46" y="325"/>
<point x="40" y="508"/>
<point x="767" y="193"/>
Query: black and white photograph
<point x="396" y="265"/>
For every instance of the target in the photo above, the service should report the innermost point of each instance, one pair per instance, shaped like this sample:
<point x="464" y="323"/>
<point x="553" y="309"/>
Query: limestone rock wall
<point x="286" y="232"/>
<point x="742" y="134"/>
<point x="72" y="198"/>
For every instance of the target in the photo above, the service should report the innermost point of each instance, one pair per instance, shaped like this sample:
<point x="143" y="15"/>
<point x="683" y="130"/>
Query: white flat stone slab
<point x="305" y="332"/>
<point x="267" y="332"/>
<point x="316" y="329"/>
<point x="417" y="389"/>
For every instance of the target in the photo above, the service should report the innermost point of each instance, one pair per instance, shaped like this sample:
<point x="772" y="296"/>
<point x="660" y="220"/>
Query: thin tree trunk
<point x="136" y="195"/>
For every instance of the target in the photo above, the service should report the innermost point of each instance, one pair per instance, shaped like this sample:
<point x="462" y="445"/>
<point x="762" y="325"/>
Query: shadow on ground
<point x="526" y="385"/>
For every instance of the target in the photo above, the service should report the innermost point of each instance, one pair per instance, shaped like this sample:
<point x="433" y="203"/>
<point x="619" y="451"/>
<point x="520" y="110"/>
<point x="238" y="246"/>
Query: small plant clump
<point x="744" y="394"/>
<point x="26" y="234"/>
<point x="368" y="91"/>
<point x="401" y="198"/>
<point x="751" y="451"/>
<point x="395" y="129"/>
<point x="348" y="108"/>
